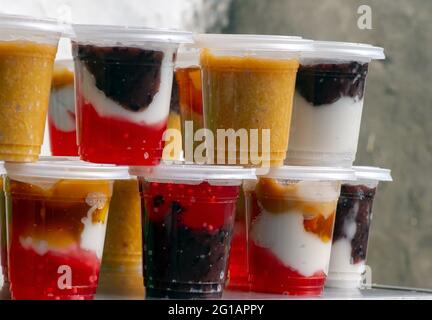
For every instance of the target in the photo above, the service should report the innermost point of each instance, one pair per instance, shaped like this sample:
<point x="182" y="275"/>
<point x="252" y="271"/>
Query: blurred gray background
<point x="396" y="129"/>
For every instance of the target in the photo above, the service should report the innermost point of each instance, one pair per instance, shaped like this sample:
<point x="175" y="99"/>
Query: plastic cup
<point x="351" y="231"/>
<point x="123" y="88"/>
<point x="248" y="84"/>
<point x="328" y="103"/>
<point x="188" y="76"/>
<point x="292" y="215"/>
<point x="4" y="279"/>
<point x="188" y="219"/>
<point x="27" y="50"/>
<point x="57" y="213"/>
<point x="61" y="112"/>
<point x="121" y="272"/>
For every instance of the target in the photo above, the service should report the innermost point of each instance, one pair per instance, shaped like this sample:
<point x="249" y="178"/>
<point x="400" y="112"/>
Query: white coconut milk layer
<point x="324" y="133"/>
<point x="285" y="236"/>
<point x="156" y="112"/>
<point x="62" y="108"/>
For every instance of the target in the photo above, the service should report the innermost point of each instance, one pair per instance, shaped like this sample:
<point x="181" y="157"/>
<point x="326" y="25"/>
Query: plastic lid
<point x="345" y="50"/>
<point x="103" y="33"/>
<point x="373" y="173"/>
<point x="26" y="23"/>
<point x="194" y="173"/>
<point x="253" y="42"/>
<point x="310" y="173"/>
<point x="67" y="168"/>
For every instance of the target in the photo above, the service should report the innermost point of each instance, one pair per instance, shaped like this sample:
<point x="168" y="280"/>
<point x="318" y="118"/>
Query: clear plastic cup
<point x="188" y="219"/>
<point x="4" y="279"/>
<point x="248" y="85"/>
<point x="123" y="88"/>
<point x="328" y="103"/>
<point x="121" y="272"/>
<point x="351" y="231"/>
<point x="27" y="50"/>
<point x="57" y="211"/>
<point x="292" y="211"/>
<point x="188" y="76"/>
<point x="61" y="112"/>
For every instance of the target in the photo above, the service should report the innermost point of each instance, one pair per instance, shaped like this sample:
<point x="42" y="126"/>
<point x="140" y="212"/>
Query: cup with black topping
<point x="328" y="103"/>
<point x="188" y="219"/>
<point x="123" y="88"/>
<point x="352" y="227"/>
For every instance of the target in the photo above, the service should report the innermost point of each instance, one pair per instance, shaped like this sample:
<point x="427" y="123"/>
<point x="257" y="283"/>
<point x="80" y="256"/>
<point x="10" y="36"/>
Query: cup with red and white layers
<point x="188" y="218"/>
<point x="123" y="88"/>
<point x="292" y="212"/>
<point x="57" y="212"/>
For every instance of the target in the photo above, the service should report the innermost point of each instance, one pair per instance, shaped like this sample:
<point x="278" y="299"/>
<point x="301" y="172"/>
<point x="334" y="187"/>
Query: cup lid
<point x="104" y="33"/>
<point x="26" y="23"/>
<point x="253" y="42"/>
<point x="372" y="173"/>
<point x="187" y="56"/>
<point x="333" y="49"/>
<point x="194" y="173"/>
<point x="67" y="168"/>
<point x="309" y="173"/>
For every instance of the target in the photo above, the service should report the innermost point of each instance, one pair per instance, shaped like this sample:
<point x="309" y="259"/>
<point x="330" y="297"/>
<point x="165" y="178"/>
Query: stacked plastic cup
<point x="188" y="218"/>
<point x="4" y="279"/>
<point x="57" y="212"/>
<point x="352" y="227"/>
<point x="292" y="213"/>
<point x="248" y="87"/>
<point x="27" y="50"/>
<point x="328" y="103"/>
<point x="123" y="88"/>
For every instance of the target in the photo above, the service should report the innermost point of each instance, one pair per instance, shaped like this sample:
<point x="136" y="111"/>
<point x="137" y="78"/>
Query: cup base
<point x="169" y="294"/>
<point x="15" y="153"/>
<point x="308" y="158"/>
<point x="121" y="157"/>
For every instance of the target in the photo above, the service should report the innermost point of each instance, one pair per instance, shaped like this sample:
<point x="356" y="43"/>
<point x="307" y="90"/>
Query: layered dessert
<point x="187" y="235"/>
<point x="351" y="234"/>
<point x="291" y="233"/>
<point x="25" y="82"/>
<point x="174" y="152"/>
<point x="249" y="92"/>
<point x="328" y="104"/>
<point x="123" y="98"/>
<point x="56" y="237"/>
<point x="61" y="113"/>
<point x="190" y="94"/>
<point x="121" y="272"/>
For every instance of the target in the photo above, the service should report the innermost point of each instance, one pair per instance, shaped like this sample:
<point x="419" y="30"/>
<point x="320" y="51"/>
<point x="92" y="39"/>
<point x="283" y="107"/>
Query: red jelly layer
<point x="239" y="278"/>
<point x="270" y="275"/>
<point x="118" y="141"/>
<point x="36" y="277"/>
<point x="202" y="206"/>
<point x="62" y="143"/>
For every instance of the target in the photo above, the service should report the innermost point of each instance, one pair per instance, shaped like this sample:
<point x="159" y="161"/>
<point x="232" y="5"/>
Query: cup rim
<point x="252" y="42"/>
<point x="347" y="50"/>
<point x="31" y="24"/>
<point x="123" y="33"/>
<point x="66" y="168"/>
<point x="372" y="173"/>
<point x="309" y="173"/>
<point x="189" y="172"/>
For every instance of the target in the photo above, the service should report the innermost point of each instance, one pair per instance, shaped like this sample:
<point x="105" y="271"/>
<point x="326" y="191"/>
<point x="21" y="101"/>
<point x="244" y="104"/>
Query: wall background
<point x="396" y="129"/>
